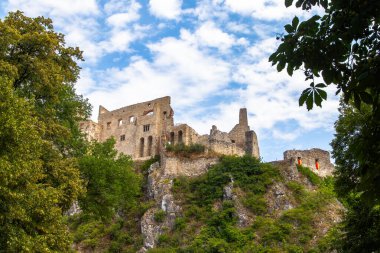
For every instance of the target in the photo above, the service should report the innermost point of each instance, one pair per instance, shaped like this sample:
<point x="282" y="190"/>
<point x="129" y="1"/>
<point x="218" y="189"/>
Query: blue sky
<point x="210" y="56"/>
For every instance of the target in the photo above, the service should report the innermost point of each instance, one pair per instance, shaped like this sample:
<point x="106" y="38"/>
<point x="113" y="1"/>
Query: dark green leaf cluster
<point x="342" y="47"/>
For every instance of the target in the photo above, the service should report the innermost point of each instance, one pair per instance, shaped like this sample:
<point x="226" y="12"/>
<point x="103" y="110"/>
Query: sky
<point x="210" y="56"/>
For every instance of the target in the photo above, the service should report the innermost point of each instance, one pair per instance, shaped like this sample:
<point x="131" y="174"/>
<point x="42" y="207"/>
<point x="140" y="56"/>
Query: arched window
<point x="141" y="147"/>
<point x="150" y="144"/>
<point x="180" y="136"/>
<point x="171" y="138"/>
<point x="120" y="122"/>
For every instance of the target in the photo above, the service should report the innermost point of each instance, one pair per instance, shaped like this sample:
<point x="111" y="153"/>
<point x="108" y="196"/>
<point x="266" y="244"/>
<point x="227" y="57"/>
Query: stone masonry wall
<point x="309" y="157"/>
<point x="175" y="166"/>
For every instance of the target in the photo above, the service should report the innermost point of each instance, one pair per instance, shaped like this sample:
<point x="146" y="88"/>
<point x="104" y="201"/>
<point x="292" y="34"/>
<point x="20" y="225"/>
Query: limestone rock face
<point x="278" y="199"/>
<point x="245" y="217"/>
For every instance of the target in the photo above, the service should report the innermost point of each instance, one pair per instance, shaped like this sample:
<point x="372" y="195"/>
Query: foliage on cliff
<point x="209" y="222"/>
<point x="114" y="203"/>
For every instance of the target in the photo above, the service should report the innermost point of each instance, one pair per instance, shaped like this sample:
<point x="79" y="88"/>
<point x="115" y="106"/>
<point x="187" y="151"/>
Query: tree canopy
<point x="342" y="47"/>
<point x="39" y="136"/>
<point x="111" y="185"/>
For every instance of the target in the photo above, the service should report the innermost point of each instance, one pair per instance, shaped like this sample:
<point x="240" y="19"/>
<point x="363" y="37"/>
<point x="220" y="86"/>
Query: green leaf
<point x="327" y="76"/>
<point x="288" y="3"/>
<point x="295" y="22"/>
<point x="309" y="102"/>
<point x="289" y="28"/>
<point x="317" y="99"/>
<point x="322" y="93"/>
<point x="280" y="65"/>
<point x="272" y="56"/>
<point x="303" y="96"/>
<point x="289" y="69"/>
<point x="321" y="85"/>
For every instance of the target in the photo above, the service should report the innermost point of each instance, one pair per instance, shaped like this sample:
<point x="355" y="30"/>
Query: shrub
<point x="185" y="150"/>
<point x="313" y="178"/>
<point x="159" y="216"/>
<point x="179" y="223"/>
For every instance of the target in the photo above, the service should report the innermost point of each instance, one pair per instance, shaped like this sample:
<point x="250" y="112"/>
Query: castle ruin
<point x="142" y="130"/>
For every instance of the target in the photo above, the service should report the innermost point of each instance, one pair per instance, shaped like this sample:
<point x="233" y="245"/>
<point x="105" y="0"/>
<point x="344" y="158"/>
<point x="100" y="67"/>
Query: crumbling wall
<point x="225" y="148"/>
<point x="309" y="157"/>
<point x="142" y="130"/>
<point x="137" y="128"/>
<point x="181" y="166"/>
<point x="90" y="129"/>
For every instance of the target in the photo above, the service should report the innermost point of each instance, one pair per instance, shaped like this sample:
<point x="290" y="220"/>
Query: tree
<point x="358" y="177"/>
<point x="39" y="139"/>
<point x="342" y="46"/>
<point x="111" y="182"/>
<point x="43" y="70"/>
<point x="30" y="219"/>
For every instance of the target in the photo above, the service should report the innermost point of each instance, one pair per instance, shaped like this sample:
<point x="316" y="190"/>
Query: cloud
<point x="125" y="13"/>
<point x="264" y="9"/>
<point x="167" y="9"/>
<point x="208" y="34"/>
<point x="56" y="8"/>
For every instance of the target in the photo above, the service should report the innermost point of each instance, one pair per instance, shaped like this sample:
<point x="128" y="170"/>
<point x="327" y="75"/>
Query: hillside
<point x="231" y="204"/>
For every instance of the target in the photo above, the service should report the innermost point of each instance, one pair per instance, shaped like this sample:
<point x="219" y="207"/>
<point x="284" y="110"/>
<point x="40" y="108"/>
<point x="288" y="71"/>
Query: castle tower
<point x="243" y="118"/>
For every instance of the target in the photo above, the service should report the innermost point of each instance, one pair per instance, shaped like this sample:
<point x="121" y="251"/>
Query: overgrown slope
<point x="239" y="205"/>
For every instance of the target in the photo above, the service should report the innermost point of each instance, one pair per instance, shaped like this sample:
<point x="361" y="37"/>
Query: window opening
<point x="180" y="135"/>
<point x="141" y="147"/>
<point x="171" y="138"/>
<point x="122" y="137"/>
<point x="120" y="122"/>
<point x="146" y="128"/>
<point x="150" y="144"/>
<point x="108" y="125"/>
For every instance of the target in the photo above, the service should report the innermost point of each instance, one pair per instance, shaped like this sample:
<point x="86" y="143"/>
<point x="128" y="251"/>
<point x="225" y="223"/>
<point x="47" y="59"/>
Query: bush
<point x="159" y="216"/>
<point x="185" y="150"/>
<point x="313" y="178"/>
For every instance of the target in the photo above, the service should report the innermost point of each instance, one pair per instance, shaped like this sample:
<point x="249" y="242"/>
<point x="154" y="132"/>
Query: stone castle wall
<point x="309" y="158"/>
<point x="180" y="166"/>
<point x="142" y="130"/>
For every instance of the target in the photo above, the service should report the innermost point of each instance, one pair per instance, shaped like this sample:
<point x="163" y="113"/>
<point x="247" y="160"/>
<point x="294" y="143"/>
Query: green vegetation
<point x="185" y="150"/>
<point x="111" y="183"/>
<point x="209" y="222"/>
<point x="342" y="47"/>
<point x="39" y="136"/>
<point x="159" y="215"/>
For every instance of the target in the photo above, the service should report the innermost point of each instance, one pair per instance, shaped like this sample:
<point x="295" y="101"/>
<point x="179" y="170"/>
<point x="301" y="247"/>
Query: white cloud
<point x="56" y="8"/>
<point x="168" y="9"/>
<point x="264" y="9"/>
<point x="209" y="35"/>
<point x="122" y="18"/>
